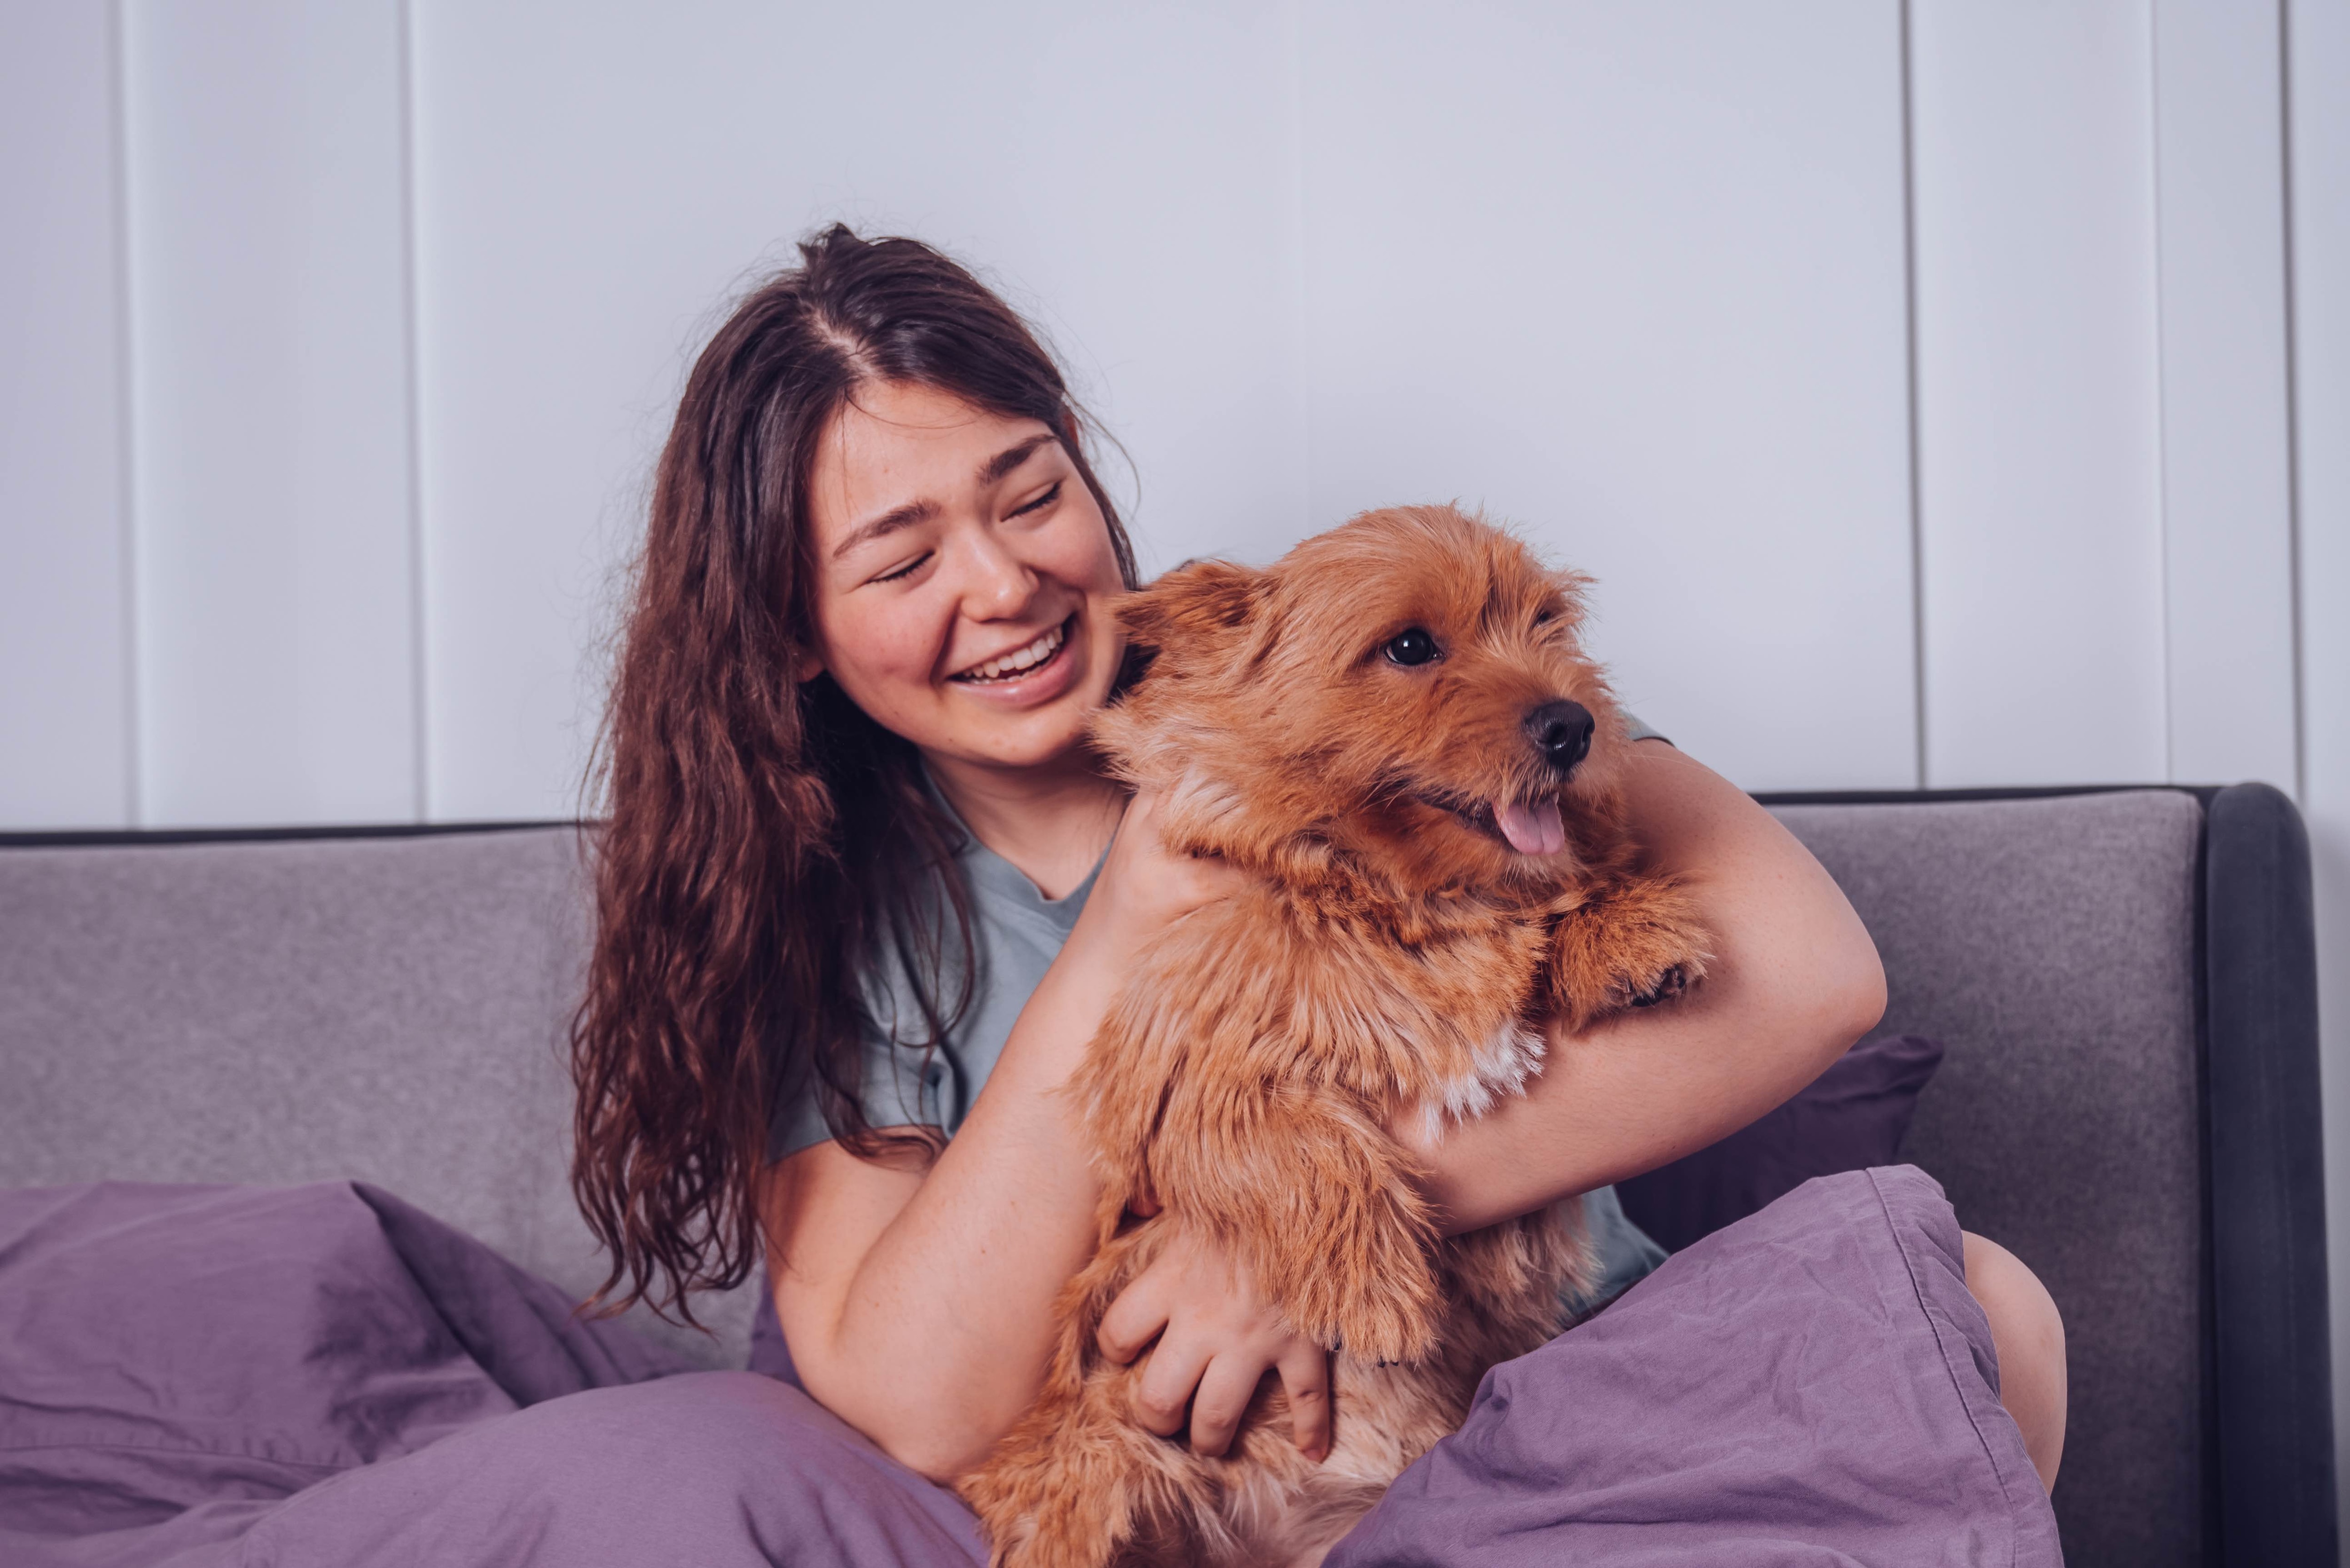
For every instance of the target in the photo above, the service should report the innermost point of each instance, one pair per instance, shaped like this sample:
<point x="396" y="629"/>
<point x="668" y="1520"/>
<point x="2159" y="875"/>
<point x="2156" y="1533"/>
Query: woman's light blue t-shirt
<point x="1017" y="932"/>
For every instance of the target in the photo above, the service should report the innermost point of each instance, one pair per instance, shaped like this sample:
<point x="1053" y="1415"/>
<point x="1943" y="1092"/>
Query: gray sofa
<point x="2124" y="980"/>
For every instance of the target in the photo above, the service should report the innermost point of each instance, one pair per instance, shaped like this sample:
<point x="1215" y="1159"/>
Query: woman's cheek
<point x="882" y="654"/>
<point x="1075" y="549"/>
<point x="908" y="652"/>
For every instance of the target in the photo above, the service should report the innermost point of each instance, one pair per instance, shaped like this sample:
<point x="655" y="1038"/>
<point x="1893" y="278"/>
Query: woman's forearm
<point x="917" y="1304"/>
<point x="1794" y="981"/>
<point x="920" y="1308"/>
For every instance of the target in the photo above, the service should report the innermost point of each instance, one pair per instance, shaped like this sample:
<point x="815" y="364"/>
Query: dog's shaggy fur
<point x="1373" y="727"/>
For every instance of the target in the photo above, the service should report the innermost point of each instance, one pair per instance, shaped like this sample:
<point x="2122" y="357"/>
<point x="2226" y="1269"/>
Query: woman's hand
<point x="1145" y="886"/>
<point x="1217" y="1338"/>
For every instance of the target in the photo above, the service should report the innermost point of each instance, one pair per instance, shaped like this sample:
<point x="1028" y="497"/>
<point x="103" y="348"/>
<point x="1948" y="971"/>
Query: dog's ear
<point x="1198" y="602"/>
<point x="1575" y="590"/>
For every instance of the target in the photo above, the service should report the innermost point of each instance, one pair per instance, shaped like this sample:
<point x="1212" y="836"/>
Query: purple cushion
<point x="1851" y="1118"/>
<point x="1812" y="1387"/>
<point x="262" y="1377"/>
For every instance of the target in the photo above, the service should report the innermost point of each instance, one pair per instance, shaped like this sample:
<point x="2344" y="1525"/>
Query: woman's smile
<point x="1035" y="671"/>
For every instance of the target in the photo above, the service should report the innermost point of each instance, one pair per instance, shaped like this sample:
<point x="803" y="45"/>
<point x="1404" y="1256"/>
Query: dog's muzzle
<point x="1561" y="733"/>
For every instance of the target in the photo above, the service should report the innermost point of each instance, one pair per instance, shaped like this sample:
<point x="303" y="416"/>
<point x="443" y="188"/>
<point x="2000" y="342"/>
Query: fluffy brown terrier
<point x="1395" y="729"/>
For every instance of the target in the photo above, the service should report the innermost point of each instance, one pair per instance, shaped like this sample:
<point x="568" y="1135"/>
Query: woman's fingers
<point x="1216" y="1339"/>
<point x="1164" y="1387"/>
<point x="1304" y="1369"/>
<point x="1144" y="887"/>
<point x="1184" y="881"/>
<point x="1224" y="1392"/>
<point x="1213" y="877"/>
<point x="1134" y="1319"/>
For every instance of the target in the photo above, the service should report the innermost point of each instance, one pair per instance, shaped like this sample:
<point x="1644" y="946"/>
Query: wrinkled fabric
<point x="194" y="1377"/>
<point x="200" y="1378"/>
<point x="1812" y="1385"/>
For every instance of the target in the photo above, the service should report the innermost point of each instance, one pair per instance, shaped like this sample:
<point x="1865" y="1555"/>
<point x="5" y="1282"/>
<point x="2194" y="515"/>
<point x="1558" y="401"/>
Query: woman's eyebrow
<point x="1011" y="457"/>
<point x="890" y="522"/>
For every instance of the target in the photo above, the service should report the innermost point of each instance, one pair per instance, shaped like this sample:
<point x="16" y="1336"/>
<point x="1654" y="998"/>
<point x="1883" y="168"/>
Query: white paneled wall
<point x="1952" y="393"/>
<point x="1122" y="173"/>
<point x="2039" y="420"/>
<point x="270" y="411"/>
<point x="66" y="757"/>
<point x="2226" y="482"/>
<point x="1912" y="379"/>
<point x="1664" y="331"/>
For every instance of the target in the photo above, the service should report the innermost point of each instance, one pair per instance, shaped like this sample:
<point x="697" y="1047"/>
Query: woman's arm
<point x="918" y="1302"/>
<point x="1794" y="981"/>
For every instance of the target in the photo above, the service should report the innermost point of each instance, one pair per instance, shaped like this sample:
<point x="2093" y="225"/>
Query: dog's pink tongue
<point x="1532" y="829"/>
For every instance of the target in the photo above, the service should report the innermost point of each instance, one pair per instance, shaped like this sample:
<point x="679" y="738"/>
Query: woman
<point x="863" y="889"/>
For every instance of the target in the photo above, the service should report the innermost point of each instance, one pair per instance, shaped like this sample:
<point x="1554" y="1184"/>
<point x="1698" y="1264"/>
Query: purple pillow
<point x="1852" y="1116"/>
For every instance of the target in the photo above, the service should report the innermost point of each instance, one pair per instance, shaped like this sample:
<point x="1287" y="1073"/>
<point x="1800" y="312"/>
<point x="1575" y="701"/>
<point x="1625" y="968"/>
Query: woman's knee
<point x="2028" y="1333"/>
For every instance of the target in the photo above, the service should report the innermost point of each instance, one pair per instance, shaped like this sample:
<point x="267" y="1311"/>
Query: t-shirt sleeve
<point x="1626" y="1253"/>
<point x="1637" y="731"/>
<point x="898" y="1087"/>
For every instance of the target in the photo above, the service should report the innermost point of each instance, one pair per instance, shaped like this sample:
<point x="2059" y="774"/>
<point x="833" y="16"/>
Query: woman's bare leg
<point x="2029" y="1336"/>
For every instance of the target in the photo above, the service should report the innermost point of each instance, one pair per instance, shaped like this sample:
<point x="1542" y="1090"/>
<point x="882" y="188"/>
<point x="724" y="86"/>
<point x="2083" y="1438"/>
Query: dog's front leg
<point x="1632" y="944"/>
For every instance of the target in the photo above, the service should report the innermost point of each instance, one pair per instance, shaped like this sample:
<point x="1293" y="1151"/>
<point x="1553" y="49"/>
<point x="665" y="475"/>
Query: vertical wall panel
<point x="269" y="373"/>
<point x="2319" y="35"/>
<point x="65" y="691"/>
<point x="1632" y="277"/>
<point x="2226" y="503"/>
<point x="2039" y="463"/>
<point x="595" y="180"/>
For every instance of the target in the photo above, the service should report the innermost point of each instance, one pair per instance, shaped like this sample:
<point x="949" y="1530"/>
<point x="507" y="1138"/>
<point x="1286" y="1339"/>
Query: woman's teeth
<point x="1021" y="659"/>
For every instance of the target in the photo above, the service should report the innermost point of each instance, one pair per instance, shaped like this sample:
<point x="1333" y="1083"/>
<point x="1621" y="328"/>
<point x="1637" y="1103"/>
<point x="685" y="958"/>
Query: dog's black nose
<point x="1561" y="732"/>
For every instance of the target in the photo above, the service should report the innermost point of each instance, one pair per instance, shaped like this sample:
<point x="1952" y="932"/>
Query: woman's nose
<point x="997" y="585"/>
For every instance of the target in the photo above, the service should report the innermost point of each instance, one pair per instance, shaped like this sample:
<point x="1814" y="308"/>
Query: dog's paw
<point x="1649" y="974"/>
<point x="1639" y="946"/>
<point x="1668" y="985"/>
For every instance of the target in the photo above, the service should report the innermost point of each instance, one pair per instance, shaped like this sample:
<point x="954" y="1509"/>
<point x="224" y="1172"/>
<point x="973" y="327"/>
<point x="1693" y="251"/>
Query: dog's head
<point x="1406" y="691"/>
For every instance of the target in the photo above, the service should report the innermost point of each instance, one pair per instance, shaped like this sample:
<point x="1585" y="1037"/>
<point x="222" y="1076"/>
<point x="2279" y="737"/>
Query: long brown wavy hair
<point x="766" y="843"/>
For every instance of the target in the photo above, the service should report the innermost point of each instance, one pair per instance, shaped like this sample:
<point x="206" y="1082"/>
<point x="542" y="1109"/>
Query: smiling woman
<point x="873" y="458"/>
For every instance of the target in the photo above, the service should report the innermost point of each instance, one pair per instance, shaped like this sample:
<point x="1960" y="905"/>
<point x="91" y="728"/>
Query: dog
<point x="1395" y="731"/>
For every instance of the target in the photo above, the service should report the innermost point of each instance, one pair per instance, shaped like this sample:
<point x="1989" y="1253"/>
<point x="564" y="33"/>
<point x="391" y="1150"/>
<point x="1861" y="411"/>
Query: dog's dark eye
<point x="1545" y="616"/>
<point x="1411" y="646"/>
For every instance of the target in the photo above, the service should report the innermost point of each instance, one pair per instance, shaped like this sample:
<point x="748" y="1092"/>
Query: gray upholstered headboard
<point x="2125" y="983"/>
<point x="387" y="1009"/>
<point x="391" y="1009"/>
<point x="2051" y="944"/>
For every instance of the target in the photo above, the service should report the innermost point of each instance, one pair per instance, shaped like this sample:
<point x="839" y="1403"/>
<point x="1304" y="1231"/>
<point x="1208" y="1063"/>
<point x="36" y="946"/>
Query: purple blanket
<point x="202" y="1376"/>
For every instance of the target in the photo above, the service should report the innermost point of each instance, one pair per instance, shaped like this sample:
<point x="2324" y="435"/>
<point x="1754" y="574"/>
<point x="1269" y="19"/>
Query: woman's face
<point x="962" y="574"/>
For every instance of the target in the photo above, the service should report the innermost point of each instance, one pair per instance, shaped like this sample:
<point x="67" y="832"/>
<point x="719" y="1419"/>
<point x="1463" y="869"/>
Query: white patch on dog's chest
<point x="1499" y="1067"/>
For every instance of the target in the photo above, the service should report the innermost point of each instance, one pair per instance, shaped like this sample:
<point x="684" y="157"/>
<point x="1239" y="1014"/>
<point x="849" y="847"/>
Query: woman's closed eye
<point x="1045" y="498"/>
<point x="894" y="572"/>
